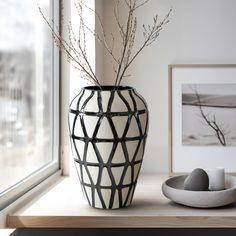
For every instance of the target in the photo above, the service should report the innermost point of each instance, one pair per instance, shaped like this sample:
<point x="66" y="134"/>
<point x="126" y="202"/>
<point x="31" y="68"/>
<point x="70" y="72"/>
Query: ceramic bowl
<point x="173" y="189"/>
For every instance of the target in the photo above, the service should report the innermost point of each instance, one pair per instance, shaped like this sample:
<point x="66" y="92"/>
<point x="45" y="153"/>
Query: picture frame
<point x="202" y="117"/>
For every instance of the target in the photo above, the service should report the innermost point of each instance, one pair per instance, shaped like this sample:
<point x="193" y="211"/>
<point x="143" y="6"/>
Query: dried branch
<point x="150" y="34"/>
<point x="212" y="123"/>
<point x="126" y="42"/>
<point x="120" y="26"/>
<point x="103" y="39"/>
<point x="76" y="46"/>
<point x="141" y="4"/>
<point x="69" y="50"/>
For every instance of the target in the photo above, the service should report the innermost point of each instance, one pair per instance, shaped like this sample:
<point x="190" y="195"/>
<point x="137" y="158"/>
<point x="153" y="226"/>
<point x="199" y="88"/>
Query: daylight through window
<point x="27" y="87"/>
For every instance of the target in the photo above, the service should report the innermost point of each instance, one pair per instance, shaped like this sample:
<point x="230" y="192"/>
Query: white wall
<point x="200" y="31"/>
<point x="99" y="47"/>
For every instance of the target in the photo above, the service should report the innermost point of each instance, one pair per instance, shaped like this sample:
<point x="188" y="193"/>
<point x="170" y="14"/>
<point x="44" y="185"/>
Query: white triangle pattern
<point x="118" y="105"/>
<point x="130" y="195"/>
<point x="97" y="200"/>
<point x="117" y="173"/>
<point x="105" y="100"/>
<point x="116" y="200"/>
<point x="91" y="155"/>
<point x="85" y="176"/>
<point x="124" y="194"/>
<point x="78" y="131"/>
<point x="131" y="148"/>
<point x="80" y="148"/>
<point x="105" y="181"/>
<point x="136" y="170"/>
<point x="120" y="124"/>
<point x="92" y="105"/>
<point x="93" y="170"/>
<point x="140" y="104"/>
<point x="139" y="155"/>
<point x="143" y="121"/>
<point x="133" y="130"/>
<point x="119" y="155"/>
<point x="90" y="123"/>
<point x="127" y="97"/>
<point x="106" y="195"/>
<point x="104" y="131"/>
<point x="127" y="178"/>
<point x="105" y="150"/>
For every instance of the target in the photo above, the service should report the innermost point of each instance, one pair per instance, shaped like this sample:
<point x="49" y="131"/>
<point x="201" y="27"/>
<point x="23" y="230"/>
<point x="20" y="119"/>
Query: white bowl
<point x="174" y="190"/>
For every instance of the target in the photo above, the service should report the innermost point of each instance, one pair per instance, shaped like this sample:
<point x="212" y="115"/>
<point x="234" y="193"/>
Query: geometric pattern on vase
<point x="108" y="129"/>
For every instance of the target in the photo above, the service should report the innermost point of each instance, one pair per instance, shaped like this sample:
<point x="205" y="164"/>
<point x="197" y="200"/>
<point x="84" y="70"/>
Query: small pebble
<point x="198" y="180"/>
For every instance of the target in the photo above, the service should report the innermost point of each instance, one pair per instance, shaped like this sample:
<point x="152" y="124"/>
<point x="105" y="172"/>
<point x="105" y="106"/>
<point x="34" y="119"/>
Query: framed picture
<point x="202" y="120"/>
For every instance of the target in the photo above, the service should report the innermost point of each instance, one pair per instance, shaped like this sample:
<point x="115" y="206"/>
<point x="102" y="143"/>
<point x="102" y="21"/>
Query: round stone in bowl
<point x="198" y="180"/>
<point x="173" y="189"/>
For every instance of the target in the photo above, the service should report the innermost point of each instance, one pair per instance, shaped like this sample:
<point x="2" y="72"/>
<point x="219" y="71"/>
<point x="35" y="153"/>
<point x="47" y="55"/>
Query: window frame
<point x="28" y="183"/>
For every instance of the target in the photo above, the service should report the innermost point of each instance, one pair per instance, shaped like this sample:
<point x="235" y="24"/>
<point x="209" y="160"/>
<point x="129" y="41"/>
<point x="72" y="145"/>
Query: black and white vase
<point x="108" y="128"/>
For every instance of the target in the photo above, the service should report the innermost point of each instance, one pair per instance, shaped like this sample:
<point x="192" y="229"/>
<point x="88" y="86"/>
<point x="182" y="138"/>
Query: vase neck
<point x="107" y="88"/>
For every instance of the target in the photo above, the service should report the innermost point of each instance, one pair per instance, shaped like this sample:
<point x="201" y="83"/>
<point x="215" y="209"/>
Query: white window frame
<point x="21" y="188"/>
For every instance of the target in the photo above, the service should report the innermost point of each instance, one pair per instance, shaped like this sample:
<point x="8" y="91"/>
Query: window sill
<point x="64" y="207"/>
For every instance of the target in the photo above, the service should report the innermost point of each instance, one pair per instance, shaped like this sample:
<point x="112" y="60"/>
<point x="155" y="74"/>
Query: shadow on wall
<point x="124" y="232"/>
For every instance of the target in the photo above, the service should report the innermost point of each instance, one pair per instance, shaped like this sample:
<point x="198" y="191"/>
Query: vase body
<point x="108" y="129"/>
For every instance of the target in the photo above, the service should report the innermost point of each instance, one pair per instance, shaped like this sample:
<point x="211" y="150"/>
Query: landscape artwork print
<point x="209" y="115"/>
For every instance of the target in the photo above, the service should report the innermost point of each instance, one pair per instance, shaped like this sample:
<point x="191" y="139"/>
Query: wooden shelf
<point x="63" y="206"/>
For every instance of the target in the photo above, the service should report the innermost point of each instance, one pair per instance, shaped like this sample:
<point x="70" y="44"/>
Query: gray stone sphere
<point x="198" y="180"/>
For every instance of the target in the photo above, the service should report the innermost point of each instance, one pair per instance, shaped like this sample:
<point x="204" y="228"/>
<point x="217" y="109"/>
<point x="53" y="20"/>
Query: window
<point x="28" y="96"/>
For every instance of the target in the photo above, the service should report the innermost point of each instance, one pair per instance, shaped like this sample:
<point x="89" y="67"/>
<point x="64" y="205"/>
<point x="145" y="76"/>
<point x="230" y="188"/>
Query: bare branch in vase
<point x="75" y="47"/>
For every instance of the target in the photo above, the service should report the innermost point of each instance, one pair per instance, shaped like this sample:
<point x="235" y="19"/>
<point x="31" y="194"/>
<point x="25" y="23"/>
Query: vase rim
<point x="107" y="88"/>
